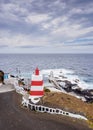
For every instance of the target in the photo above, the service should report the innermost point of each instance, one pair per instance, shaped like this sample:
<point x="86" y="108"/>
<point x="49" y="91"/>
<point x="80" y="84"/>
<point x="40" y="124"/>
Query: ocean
<point x="81" y="64"/>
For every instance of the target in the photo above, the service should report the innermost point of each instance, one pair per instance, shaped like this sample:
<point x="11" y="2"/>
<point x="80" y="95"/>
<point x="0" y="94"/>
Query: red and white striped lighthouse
<point x="36" y="90"/>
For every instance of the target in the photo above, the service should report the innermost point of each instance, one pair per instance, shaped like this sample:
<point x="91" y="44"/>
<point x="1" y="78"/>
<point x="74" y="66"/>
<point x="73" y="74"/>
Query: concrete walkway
<point x="6" y="87"/>
<point x="14" y="117"/>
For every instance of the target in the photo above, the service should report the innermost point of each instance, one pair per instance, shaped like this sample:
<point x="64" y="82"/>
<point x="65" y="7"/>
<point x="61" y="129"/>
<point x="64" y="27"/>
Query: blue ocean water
<point x="82" y="64"/>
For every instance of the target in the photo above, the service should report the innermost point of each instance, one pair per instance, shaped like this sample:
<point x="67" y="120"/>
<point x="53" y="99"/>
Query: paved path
<point x="5" y="88"/>
<point x="14" y="117"/>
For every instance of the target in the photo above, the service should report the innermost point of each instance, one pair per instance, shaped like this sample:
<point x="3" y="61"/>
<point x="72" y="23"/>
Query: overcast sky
<point x="46" y="26"/>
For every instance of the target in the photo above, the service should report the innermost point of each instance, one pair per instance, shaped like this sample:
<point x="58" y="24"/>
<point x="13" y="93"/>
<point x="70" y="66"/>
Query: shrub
<point x="46" y="89"/>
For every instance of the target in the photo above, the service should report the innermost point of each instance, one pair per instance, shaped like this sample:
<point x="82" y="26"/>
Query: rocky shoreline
<point x="74" y="86"/>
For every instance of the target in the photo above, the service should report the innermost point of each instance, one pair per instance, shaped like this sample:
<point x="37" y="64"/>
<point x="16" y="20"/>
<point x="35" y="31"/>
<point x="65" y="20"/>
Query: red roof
<point x="37" y="71"/>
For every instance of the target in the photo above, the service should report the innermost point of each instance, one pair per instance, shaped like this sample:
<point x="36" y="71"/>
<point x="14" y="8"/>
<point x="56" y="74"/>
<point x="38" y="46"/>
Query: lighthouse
<point x="36" y="90"/>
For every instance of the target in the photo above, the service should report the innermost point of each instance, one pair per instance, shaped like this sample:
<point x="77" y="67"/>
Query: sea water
<point x="80" y="64"/>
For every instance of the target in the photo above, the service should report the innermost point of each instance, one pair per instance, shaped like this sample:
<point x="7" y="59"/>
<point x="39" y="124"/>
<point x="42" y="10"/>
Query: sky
<point x="46" y="26"/>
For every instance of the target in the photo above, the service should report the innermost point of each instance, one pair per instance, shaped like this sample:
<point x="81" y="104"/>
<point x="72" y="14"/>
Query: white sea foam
<point x="70" y="75"/>
<point x="67" y="73"/>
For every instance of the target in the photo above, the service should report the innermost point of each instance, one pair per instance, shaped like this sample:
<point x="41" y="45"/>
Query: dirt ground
<point x="68" y="103"/>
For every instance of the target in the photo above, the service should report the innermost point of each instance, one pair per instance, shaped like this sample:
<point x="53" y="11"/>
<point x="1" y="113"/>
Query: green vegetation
<point x="90" y="123"/>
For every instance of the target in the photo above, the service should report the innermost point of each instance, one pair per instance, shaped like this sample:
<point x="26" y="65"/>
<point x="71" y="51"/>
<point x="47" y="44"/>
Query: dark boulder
<point x="1" y="77"/>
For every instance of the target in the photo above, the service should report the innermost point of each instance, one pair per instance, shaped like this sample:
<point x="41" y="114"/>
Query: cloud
<point x="8" y="12"/>
<point x="40" y="23"/>
<point x="36" y="18"/>
<point x="21" y="39"/>
<point x="30" y="46"/>
<point x="3" y="46"/>
<point x="72" y="31"/>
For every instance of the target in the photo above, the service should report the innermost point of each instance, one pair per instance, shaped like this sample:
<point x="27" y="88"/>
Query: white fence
<point x="41" y="108"/>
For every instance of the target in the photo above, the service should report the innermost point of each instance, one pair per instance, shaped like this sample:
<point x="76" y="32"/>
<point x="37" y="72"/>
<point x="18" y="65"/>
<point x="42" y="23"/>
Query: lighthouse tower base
<point x="34" y="99"/>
